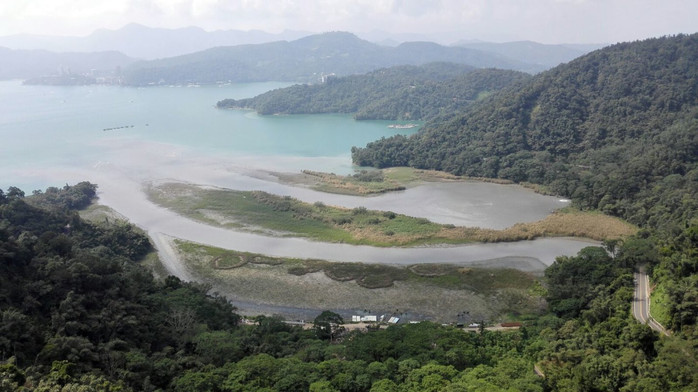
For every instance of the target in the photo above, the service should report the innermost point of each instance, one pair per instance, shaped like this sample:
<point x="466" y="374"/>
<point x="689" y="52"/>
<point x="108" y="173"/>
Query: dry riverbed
<point x="436" y="292"/>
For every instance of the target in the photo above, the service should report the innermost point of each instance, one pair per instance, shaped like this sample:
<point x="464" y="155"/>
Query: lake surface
<point x="121" y="138"/>
<point x="64" y="128"/>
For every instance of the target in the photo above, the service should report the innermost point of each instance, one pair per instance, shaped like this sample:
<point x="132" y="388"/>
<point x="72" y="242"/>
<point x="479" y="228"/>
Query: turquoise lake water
<point x="53" y="127"/>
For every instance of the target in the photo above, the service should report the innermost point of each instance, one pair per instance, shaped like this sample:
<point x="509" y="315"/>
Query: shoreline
<point x="123" y="191"/>
<point x="126" y="196"/>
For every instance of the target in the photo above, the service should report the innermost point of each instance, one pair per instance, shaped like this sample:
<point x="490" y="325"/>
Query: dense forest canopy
<point x="396" y="93"/>
<point x="79" y="313"/>
<point x="616" y="130"/>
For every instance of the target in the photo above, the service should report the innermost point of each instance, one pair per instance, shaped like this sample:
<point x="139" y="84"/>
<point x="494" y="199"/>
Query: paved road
<point x="641" y="302"/>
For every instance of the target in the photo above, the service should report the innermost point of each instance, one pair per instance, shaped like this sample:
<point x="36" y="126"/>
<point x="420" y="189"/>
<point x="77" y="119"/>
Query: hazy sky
<point x="547" y="21"/>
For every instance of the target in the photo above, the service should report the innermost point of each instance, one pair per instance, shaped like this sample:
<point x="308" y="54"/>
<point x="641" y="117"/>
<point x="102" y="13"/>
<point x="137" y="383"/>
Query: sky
<point x="545" y="21"/>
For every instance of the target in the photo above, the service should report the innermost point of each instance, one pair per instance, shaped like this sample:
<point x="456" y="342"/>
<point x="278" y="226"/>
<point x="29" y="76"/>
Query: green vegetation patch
<point x="485" y="280"/>
<point x="284" y="216"/>
<point x="217" y="258"/>
<point x="375" y="181"/>
<point x="277" y="215"/>
<point x="343" y="272"/>
<point x="365" y="275"/>
<point x="480" y="280"/>
<point x="97" y="213"/>
<point x="228" y="261"/>
<point x="659" y="305"/>
<point x="265" y="260"/>
<point x="361" y="183"/>
<point x="432" y="269"/>
<point x="376" y="281"/>
<point x="300" y="267"/>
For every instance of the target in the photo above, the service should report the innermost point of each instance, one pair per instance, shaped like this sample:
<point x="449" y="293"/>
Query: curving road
<point x="641" y="302"/>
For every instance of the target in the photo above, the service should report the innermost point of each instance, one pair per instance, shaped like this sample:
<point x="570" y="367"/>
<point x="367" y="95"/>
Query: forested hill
<point x="616" y="130"/>
<point x="304" y="60"/>
<point x="396" y="93"/>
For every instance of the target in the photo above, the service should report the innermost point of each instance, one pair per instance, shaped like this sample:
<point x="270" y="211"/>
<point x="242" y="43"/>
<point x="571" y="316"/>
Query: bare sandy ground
<point x="170" y="258"/>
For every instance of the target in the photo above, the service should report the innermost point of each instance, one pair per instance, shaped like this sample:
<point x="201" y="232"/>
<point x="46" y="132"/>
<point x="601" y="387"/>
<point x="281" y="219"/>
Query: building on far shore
<point x="365" y="319"/>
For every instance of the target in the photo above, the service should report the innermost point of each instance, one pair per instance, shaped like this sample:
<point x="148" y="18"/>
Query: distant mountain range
<point x="195" y="55"/>
<point x="306" y="60"/>
<point x="146" y="43"/>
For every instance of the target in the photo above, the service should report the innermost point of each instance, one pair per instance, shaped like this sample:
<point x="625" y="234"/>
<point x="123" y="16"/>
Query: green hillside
<point x="616" y="130"/>
<point x="396" y="93"/>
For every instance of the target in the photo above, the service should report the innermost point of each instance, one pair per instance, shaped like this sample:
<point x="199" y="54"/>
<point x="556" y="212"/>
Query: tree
<point x="10" y="376"/>
<point x="430" y="377"/>
<point x="14" y="193"/>
<point x="218" y="347"/>
<point x="198" y="381"/>
<point x="384" y="385"/>
<point x="321" y="386"/>
<point x="571" y="280"/>
<point x="328" y="325"/>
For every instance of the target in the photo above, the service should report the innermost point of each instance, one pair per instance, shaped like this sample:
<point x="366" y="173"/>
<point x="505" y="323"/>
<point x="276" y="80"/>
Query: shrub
<point x="359" y="211"/>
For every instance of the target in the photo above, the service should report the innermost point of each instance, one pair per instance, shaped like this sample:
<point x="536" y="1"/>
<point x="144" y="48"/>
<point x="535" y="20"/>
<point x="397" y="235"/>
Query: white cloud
<point x="540" y="20"/>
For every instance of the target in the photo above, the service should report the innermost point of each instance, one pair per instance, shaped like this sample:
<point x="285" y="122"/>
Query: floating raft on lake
<point x="115" y="128"/>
